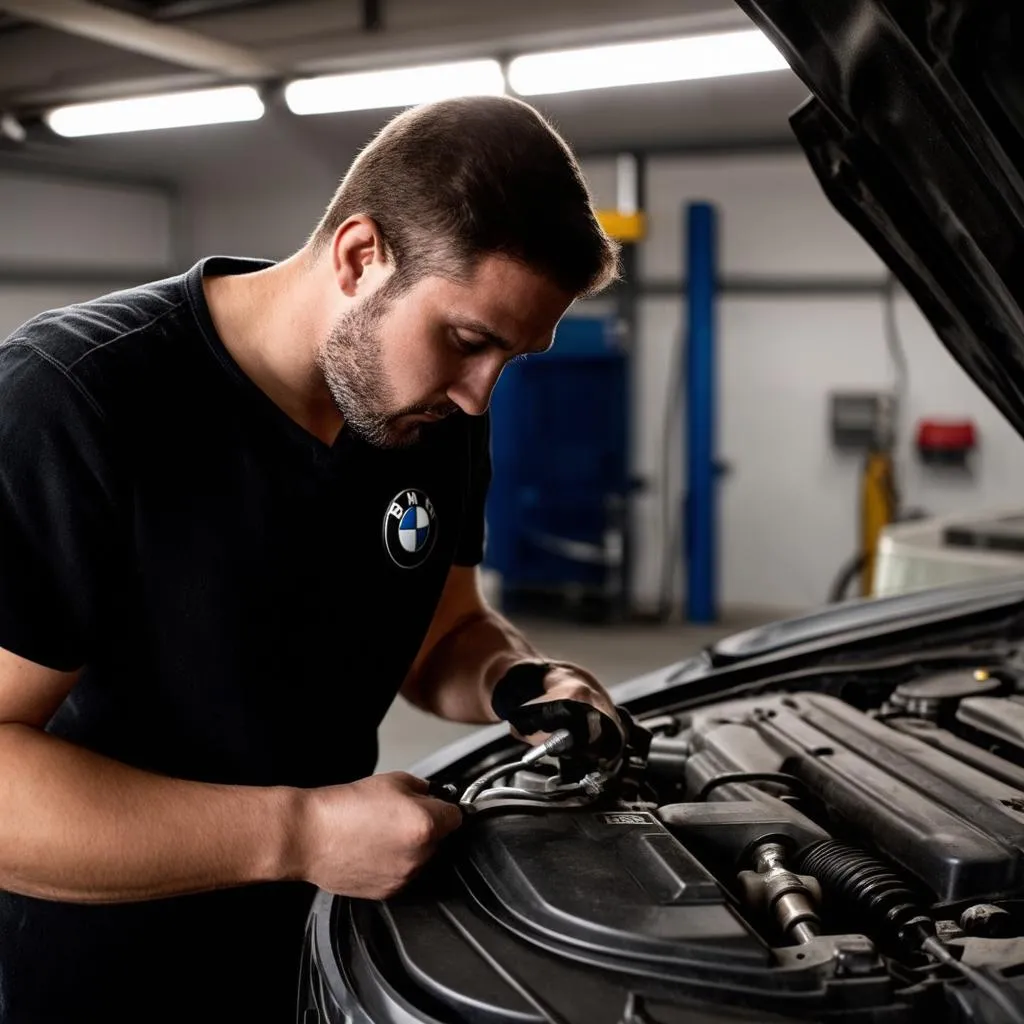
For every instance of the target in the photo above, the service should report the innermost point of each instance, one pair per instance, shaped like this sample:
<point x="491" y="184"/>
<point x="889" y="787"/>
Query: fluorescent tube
<point x="145" y="113"/>
<point x="663" y="60"/>
<point x="394" y="87"/>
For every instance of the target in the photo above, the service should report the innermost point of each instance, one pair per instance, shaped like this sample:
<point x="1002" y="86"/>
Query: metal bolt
<point x="856" y="959"/>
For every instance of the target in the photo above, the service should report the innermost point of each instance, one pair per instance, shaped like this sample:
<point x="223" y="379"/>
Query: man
<point x="239" y="510"/>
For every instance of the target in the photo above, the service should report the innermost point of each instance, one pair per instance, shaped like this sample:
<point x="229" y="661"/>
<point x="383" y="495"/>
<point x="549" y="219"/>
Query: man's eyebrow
<point x="479" y="327"/>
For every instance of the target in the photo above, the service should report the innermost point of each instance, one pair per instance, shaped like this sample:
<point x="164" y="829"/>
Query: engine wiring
<point x="934" y="948"/>
<point x="733" y="778"/>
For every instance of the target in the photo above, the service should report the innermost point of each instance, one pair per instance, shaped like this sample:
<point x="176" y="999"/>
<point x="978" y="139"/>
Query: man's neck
<point x="270" y="323"/>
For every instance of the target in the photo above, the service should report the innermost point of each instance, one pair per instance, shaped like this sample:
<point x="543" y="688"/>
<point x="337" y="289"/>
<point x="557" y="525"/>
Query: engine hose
<point x="876" y="888"/>
<point x="870" y="885"/>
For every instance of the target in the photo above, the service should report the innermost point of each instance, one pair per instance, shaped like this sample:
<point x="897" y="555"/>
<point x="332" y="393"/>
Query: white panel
<point x="774" y="220"/>
<point x="60" y="222"/>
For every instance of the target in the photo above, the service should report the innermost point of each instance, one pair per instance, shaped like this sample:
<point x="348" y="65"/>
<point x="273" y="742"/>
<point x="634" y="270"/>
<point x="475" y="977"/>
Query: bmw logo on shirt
<point x="410" y="527"/>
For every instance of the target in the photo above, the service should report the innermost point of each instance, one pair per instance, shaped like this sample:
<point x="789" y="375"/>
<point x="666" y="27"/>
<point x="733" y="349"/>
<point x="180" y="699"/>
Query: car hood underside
<point x="915" y="129"/>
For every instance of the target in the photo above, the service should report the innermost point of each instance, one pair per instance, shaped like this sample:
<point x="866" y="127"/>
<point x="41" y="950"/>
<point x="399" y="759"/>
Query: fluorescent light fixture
<point x="395" y="87"/>
<point x="663" y="60"/>
<point x="145" y="113"/>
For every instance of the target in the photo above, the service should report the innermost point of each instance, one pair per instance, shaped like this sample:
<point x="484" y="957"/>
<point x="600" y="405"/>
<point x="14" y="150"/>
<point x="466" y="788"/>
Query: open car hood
<point x="915" y="130"/>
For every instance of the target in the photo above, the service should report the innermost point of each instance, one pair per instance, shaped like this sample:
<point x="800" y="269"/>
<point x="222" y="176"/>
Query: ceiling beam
<point x="130" y="32"/>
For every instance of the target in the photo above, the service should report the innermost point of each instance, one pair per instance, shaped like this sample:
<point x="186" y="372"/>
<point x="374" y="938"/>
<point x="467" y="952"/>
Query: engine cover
<point x="958" y="829"/>
<point x="584" y="916"/>
<point x="608" y="886"/>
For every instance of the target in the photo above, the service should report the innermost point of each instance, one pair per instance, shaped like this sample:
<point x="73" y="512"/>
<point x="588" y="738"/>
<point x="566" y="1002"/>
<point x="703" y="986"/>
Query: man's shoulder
<point x="87" y="342"/>
<point x="67" y="335"/>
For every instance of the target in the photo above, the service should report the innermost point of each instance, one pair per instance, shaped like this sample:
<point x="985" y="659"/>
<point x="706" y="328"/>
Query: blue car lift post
<point x="700" y="542"/>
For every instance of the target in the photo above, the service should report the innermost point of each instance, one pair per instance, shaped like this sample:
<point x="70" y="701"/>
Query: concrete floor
<point x="613" y="653"/>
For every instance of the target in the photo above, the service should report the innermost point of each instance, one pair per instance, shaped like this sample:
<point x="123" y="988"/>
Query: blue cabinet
<point x="556" y="512"/>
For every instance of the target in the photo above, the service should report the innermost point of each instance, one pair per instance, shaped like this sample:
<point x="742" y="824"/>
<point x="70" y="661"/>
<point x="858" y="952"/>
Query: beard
<point x="351" y="361"/>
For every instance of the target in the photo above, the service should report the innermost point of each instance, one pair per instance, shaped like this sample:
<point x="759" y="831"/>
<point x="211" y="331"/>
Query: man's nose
<point x="472" y="391"/>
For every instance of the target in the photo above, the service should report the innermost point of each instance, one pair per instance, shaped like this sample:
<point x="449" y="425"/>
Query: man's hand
<point x="572" y="699"/>
<point x="368" y="839"/>
<point x="564" y="683"/>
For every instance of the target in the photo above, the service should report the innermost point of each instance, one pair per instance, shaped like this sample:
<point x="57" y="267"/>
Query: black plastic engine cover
<point x="575" y="916"/>
<point x="613" y="884"/>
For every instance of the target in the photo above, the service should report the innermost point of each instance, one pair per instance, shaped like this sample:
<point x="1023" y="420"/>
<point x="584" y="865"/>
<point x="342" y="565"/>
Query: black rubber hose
<point x="869" y="885"/>
<point x="890" y="903"/>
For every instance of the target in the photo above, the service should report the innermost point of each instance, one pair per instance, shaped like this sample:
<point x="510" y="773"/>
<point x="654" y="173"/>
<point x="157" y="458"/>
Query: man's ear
<point x="357" y="254"/>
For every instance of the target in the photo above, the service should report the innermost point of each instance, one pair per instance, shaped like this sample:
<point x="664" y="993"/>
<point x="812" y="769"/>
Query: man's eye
<point x="469" y="347"/>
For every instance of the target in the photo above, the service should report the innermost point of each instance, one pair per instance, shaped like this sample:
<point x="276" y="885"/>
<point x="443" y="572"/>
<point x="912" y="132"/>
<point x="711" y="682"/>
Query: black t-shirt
<point x="245" y="600"/>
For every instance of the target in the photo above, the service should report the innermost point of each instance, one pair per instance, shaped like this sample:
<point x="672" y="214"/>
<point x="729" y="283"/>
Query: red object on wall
<point x="948" y="442"/>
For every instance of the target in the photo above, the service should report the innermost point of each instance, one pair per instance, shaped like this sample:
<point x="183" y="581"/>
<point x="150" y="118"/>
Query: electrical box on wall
<point x="862" y="421"/>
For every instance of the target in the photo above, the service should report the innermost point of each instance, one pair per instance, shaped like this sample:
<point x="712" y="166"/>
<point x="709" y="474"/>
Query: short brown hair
<point x="449" y="182"/>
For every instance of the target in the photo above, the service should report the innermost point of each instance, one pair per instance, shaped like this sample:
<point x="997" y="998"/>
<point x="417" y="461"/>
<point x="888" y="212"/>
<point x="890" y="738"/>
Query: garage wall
<point x="789" y="503"/>
<point x="266" y="214"/>
<point x="63" y="240"/>
<point x="788" y="512"/>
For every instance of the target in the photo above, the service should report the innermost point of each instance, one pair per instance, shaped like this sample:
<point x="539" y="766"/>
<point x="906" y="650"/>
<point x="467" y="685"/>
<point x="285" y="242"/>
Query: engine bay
<point x="850" y="851"/>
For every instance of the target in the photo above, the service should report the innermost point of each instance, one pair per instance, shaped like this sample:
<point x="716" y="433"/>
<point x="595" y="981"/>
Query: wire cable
<point x="901" y="386"/>
<point x="847" y="574"/>
<point x="985" y="985"/>
<point x="735" y="778"/>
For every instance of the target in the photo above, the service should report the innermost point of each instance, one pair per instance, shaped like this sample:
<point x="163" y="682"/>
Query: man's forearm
<point x="80" y="827"/>
<point x="456" y="679"/>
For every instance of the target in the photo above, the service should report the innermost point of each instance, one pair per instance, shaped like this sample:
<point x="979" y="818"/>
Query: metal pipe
<point x="804" y="932"/>
<point x="138" y="35"/>
<point x="763" y="286"/>
<point x="791" y="898"/>
<point x="559" y="742"/>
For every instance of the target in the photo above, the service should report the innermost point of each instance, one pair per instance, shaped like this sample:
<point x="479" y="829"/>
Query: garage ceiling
<point x="59" y="51"/>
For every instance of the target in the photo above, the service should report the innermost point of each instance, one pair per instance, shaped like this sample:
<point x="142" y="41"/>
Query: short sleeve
<point x="470" y="548"/>
<point x="58" y="518"/>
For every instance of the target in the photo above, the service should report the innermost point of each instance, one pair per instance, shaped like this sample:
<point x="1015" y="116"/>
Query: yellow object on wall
<point x="623" y="227"/>
<point x="878" y="510"/>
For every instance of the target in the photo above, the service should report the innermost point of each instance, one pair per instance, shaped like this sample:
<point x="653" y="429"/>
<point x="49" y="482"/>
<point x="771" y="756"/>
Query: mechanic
<point x="240" y="509"/>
